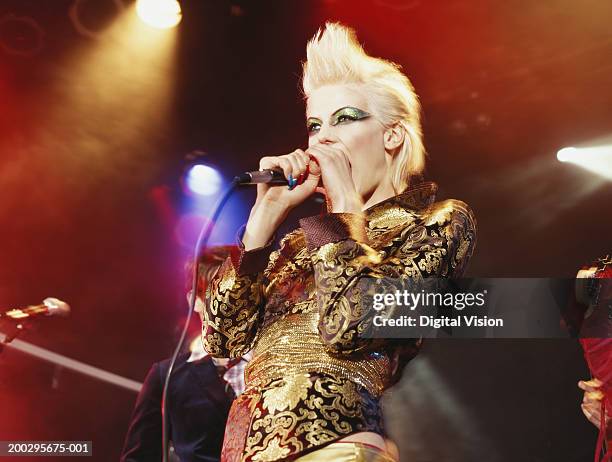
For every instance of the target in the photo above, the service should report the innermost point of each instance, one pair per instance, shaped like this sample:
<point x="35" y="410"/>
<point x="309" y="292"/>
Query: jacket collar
<point x="398" y="209"/>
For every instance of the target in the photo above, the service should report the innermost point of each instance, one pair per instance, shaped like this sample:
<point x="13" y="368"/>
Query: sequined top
<point x="314" y="378"/>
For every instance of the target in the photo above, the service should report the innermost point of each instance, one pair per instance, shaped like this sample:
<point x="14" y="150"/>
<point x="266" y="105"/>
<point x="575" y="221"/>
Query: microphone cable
<point x="201" y="243"/>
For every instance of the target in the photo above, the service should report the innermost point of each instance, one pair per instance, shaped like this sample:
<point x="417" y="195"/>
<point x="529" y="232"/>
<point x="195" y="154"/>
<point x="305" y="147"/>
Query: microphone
<point x="267" y="176"/>
<point x="49" y="307"/>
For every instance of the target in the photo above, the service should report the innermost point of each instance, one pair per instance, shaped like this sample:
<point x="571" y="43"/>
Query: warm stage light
<point x="203" y="180"/>
<point x="565" y="154"/>
<point x="596" y="159"/>
<point x="162" y="14"/>
<point x="118" y="91"/>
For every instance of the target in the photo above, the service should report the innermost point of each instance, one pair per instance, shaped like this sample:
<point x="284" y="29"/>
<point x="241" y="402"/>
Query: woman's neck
<point x="383" y="192"/>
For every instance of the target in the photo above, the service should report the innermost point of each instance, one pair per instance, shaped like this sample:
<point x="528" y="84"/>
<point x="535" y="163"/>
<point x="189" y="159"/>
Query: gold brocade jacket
<point x="313" y="378"/>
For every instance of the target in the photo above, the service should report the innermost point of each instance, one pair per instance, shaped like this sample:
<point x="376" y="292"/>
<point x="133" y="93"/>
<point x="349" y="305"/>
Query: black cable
<point x="202" y="241"/>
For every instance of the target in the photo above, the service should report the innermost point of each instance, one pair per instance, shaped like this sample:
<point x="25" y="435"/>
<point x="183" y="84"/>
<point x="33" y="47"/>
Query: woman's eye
<point x="345" y="118"/>
<point x="311" y="128"/>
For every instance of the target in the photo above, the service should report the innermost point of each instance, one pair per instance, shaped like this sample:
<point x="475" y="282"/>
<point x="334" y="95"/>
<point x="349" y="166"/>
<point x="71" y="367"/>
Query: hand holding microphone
<point x="323" y="167"/>
<point x="273" y="203"/>
<point x="294" y="169"/>
<point x="302" y="178"/>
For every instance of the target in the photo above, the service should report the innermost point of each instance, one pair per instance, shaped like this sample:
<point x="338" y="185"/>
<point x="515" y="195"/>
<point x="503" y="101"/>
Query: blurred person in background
<point x="594" y="291"/>
<point x="201" y="391"/>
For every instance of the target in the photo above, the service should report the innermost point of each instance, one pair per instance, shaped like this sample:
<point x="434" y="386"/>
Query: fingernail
<point x="290" y="182"/>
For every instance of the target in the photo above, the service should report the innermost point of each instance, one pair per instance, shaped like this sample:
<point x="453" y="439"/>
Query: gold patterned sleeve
<point x="234" y="303"/>
<point x="348" y="270"/>
<point x="458" y="226"/>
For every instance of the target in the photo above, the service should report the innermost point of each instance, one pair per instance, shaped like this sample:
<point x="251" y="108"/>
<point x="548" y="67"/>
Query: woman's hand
<point x="274" y="202"/>
<point x="294" y="166"/>
<point x="333" y="160"/>
<point x="591" y="403"/>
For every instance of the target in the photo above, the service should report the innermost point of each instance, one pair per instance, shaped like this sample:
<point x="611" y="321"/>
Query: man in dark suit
<point x="199" y="402"/>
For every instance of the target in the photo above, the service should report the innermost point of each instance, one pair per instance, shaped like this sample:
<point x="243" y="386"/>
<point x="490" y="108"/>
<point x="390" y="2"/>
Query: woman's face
<point x="339" y="114"/>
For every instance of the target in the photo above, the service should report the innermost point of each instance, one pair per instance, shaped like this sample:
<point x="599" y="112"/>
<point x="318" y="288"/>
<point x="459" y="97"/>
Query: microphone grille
<point x="56" y="306"/>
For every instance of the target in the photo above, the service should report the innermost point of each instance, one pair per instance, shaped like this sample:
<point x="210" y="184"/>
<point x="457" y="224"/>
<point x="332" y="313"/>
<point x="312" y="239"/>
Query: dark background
<point x="91" y="156"/>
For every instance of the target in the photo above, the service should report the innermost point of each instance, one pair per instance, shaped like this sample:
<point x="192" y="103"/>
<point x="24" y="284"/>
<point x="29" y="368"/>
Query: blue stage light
<point x="203" y="180"/>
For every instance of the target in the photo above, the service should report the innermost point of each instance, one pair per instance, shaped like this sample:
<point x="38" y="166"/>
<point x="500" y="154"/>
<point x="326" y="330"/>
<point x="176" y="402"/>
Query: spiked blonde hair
<point x="334" y="56"/>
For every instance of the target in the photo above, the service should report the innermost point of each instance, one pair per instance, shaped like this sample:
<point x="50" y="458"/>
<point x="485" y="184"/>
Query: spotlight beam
<point x="596" y="159"/>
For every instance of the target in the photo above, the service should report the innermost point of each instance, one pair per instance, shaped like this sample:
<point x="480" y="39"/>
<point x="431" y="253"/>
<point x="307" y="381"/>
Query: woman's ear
<point x="394" y="136"/>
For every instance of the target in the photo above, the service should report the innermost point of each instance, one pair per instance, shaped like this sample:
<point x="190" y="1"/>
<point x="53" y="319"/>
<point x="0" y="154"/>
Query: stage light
<point x="595" y="159"/>
<point x="162" y="14"/>
<point x="203" y="180"/>
<point x="565" y="154"/>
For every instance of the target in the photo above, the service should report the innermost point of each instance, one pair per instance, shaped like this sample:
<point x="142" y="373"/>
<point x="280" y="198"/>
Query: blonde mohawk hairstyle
<point x="334" y="56"/>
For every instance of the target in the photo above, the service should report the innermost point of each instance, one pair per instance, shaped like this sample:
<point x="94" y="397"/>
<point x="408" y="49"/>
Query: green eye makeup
<point x="348" y="113"/>
<point x="312" y="124"/>
<point x="342" y="115"/>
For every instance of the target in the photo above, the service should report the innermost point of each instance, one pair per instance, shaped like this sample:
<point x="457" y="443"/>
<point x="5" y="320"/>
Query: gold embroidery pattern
<point x="314" y="378"/>
<point x="292" y="346"/>
<point x="273" y="451"/>
<point x="333" y="408"/>
<point x="437" y="245"/>
<point x="232" y="312"/>
<point x="286" y="393"/>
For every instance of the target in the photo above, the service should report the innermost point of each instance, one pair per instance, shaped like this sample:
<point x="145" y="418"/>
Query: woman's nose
<point x="326" y="135"/>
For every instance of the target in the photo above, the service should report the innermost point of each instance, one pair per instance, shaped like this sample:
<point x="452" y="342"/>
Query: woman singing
<point x="314" y="385"/>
